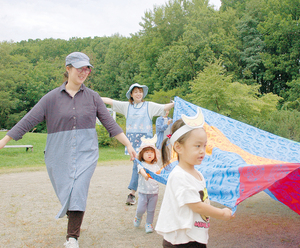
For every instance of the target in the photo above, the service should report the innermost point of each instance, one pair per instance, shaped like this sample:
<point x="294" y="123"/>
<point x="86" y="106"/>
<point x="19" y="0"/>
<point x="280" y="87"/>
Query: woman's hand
<point x="131" y="152"/>
<point x="4" y="141"/>
<point x="124" y="140"/>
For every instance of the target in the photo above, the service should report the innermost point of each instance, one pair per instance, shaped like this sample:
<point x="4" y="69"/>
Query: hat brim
<point x="80" y="64"/>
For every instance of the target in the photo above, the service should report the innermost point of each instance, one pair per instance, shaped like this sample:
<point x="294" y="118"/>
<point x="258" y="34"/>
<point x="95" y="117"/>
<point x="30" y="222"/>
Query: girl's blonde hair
<point x="141" y="154"/>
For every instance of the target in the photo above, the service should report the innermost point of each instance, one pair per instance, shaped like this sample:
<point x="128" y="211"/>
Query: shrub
<point x="103" y="136"/>
<point x="283" y="123"/>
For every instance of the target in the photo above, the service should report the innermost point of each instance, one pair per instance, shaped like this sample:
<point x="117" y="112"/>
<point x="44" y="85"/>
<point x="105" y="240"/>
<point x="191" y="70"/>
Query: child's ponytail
<point x="165" y="152"/>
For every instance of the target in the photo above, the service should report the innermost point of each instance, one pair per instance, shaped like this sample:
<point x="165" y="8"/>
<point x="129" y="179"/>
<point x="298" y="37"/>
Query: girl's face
<point x="192" y="152"/>
<point x="148" y="156"/>
<point x="137" y="94"/>
<point x="167" y="113"/>
<point x="78" y="76"/>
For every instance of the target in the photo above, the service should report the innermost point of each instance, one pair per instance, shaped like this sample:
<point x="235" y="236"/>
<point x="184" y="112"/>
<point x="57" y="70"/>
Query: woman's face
<point x="78" y="76"/>
<point x="137" y="94"/>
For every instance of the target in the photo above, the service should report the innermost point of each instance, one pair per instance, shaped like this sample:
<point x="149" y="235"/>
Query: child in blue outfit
<point x="147" y="187"/>
<point x="163" y="128"/>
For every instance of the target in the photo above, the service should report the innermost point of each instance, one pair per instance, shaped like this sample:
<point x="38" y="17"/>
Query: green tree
<point x="252" y="46"/>
<point x="283" y="123"/>
<point x="239" y="5"/>
<point x="164" y="97"/>
<point x="281" y="34"/>
<point x="116" y="72"/>
<point x="175" y="68"/>
<point x="292" y="96"/>
<point x="214" y="90"/>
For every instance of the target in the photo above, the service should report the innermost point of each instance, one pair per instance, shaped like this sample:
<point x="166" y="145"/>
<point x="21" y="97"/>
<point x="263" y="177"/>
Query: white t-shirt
<point x="150" y="186"/>
<point x="177" y="223"/>
<point x="154" y="109"/>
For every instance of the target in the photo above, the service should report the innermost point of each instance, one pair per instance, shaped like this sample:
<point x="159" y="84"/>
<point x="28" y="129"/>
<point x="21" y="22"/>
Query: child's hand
<point x="227" y="214"/>
<point x="144" y="174"/>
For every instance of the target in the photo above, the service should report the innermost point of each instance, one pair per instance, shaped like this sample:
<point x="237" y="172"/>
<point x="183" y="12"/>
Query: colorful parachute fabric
<point x="242" y="160"/>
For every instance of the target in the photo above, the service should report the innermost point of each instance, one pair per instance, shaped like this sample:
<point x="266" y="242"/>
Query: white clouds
<point x="32" y="19"/>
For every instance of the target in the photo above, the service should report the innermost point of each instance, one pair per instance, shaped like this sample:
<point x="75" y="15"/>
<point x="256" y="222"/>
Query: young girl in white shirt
<point x="183" y="219"/>
<point x="147" y="187"/>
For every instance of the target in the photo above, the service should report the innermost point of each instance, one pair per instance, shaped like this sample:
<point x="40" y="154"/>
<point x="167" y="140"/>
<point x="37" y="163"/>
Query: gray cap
<point x="78" y="60"/>
<point x="144" y="87"/>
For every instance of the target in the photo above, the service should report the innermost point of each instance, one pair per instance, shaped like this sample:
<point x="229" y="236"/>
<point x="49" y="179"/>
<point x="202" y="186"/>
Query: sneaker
<point x="149" y="228"/>
<point x="137" y="221"/>
<point x="130" y="199"/>
<point x="71" y="243"/>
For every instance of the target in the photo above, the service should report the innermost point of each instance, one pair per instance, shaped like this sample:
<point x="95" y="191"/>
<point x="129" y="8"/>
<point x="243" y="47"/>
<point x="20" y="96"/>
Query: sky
<point x="57" y="19"/>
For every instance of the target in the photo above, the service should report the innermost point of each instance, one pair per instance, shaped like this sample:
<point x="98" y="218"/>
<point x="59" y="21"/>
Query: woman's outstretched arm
<point x="107" y="100"/>
<point x="4" y="141"/>
<point x="168" y="106"/>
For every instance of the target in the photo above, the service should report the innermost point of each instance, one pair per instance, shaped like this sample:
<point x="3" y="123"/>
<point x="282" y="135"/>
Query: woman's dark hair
<point x="66" y="73"/>
<point x="165" y="151"/>
<point x="131" y="99"/>
<point x="141" y="154"/>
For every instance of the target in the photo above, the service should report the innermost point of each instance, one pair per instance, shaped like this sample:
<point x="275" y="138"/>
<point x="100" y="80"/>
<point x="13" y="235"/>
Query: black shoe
<point x="130" y="199"/>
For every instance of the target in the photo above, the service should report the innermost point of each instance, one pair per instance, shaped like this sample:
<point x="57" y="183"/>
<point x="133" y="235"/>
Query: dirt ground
<point x="28" y="206"/>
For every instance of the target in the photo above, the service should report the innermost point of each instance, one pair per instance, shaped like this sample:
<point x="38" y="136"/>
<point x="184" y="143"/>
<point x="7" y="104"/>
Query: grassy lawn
<point x="18" y="159"/>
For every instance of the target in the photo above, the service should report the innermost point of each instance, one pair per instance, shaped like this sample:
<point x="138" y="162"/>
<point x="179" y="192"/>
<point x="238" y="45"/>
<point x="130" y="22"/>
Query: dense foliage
<point x="242" y="61"/>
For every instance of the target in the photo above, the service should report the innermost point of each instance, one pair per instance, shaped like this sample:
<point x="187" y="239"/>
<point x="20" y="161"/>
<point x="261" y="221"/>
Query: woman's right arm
<point x="4" y="141"/>
<point x="107" y="100"/>
<point x="168" y="106"/>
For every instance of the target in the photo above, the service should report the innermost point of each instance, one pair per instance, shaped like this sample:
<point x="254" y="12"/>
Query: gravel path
<point x="28" y="206"/>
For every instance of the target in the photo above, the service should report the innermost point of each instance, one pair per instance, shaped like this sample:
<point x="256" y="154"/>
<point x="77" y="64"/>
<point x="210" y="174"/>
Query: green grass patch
<point x="11" y="158"/>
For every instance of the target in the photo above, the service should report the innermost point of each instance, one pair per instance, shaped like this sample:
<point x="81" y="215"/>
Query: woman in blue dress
<point x="71" y="152"/>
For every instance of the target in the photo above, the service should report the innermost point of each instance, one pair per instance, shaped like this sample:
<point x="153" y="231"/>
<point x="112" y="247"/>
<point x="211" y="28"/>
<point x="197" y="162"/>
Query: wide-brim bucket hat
<point x="78" y="60"/>
<point x="144" y="87"/>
